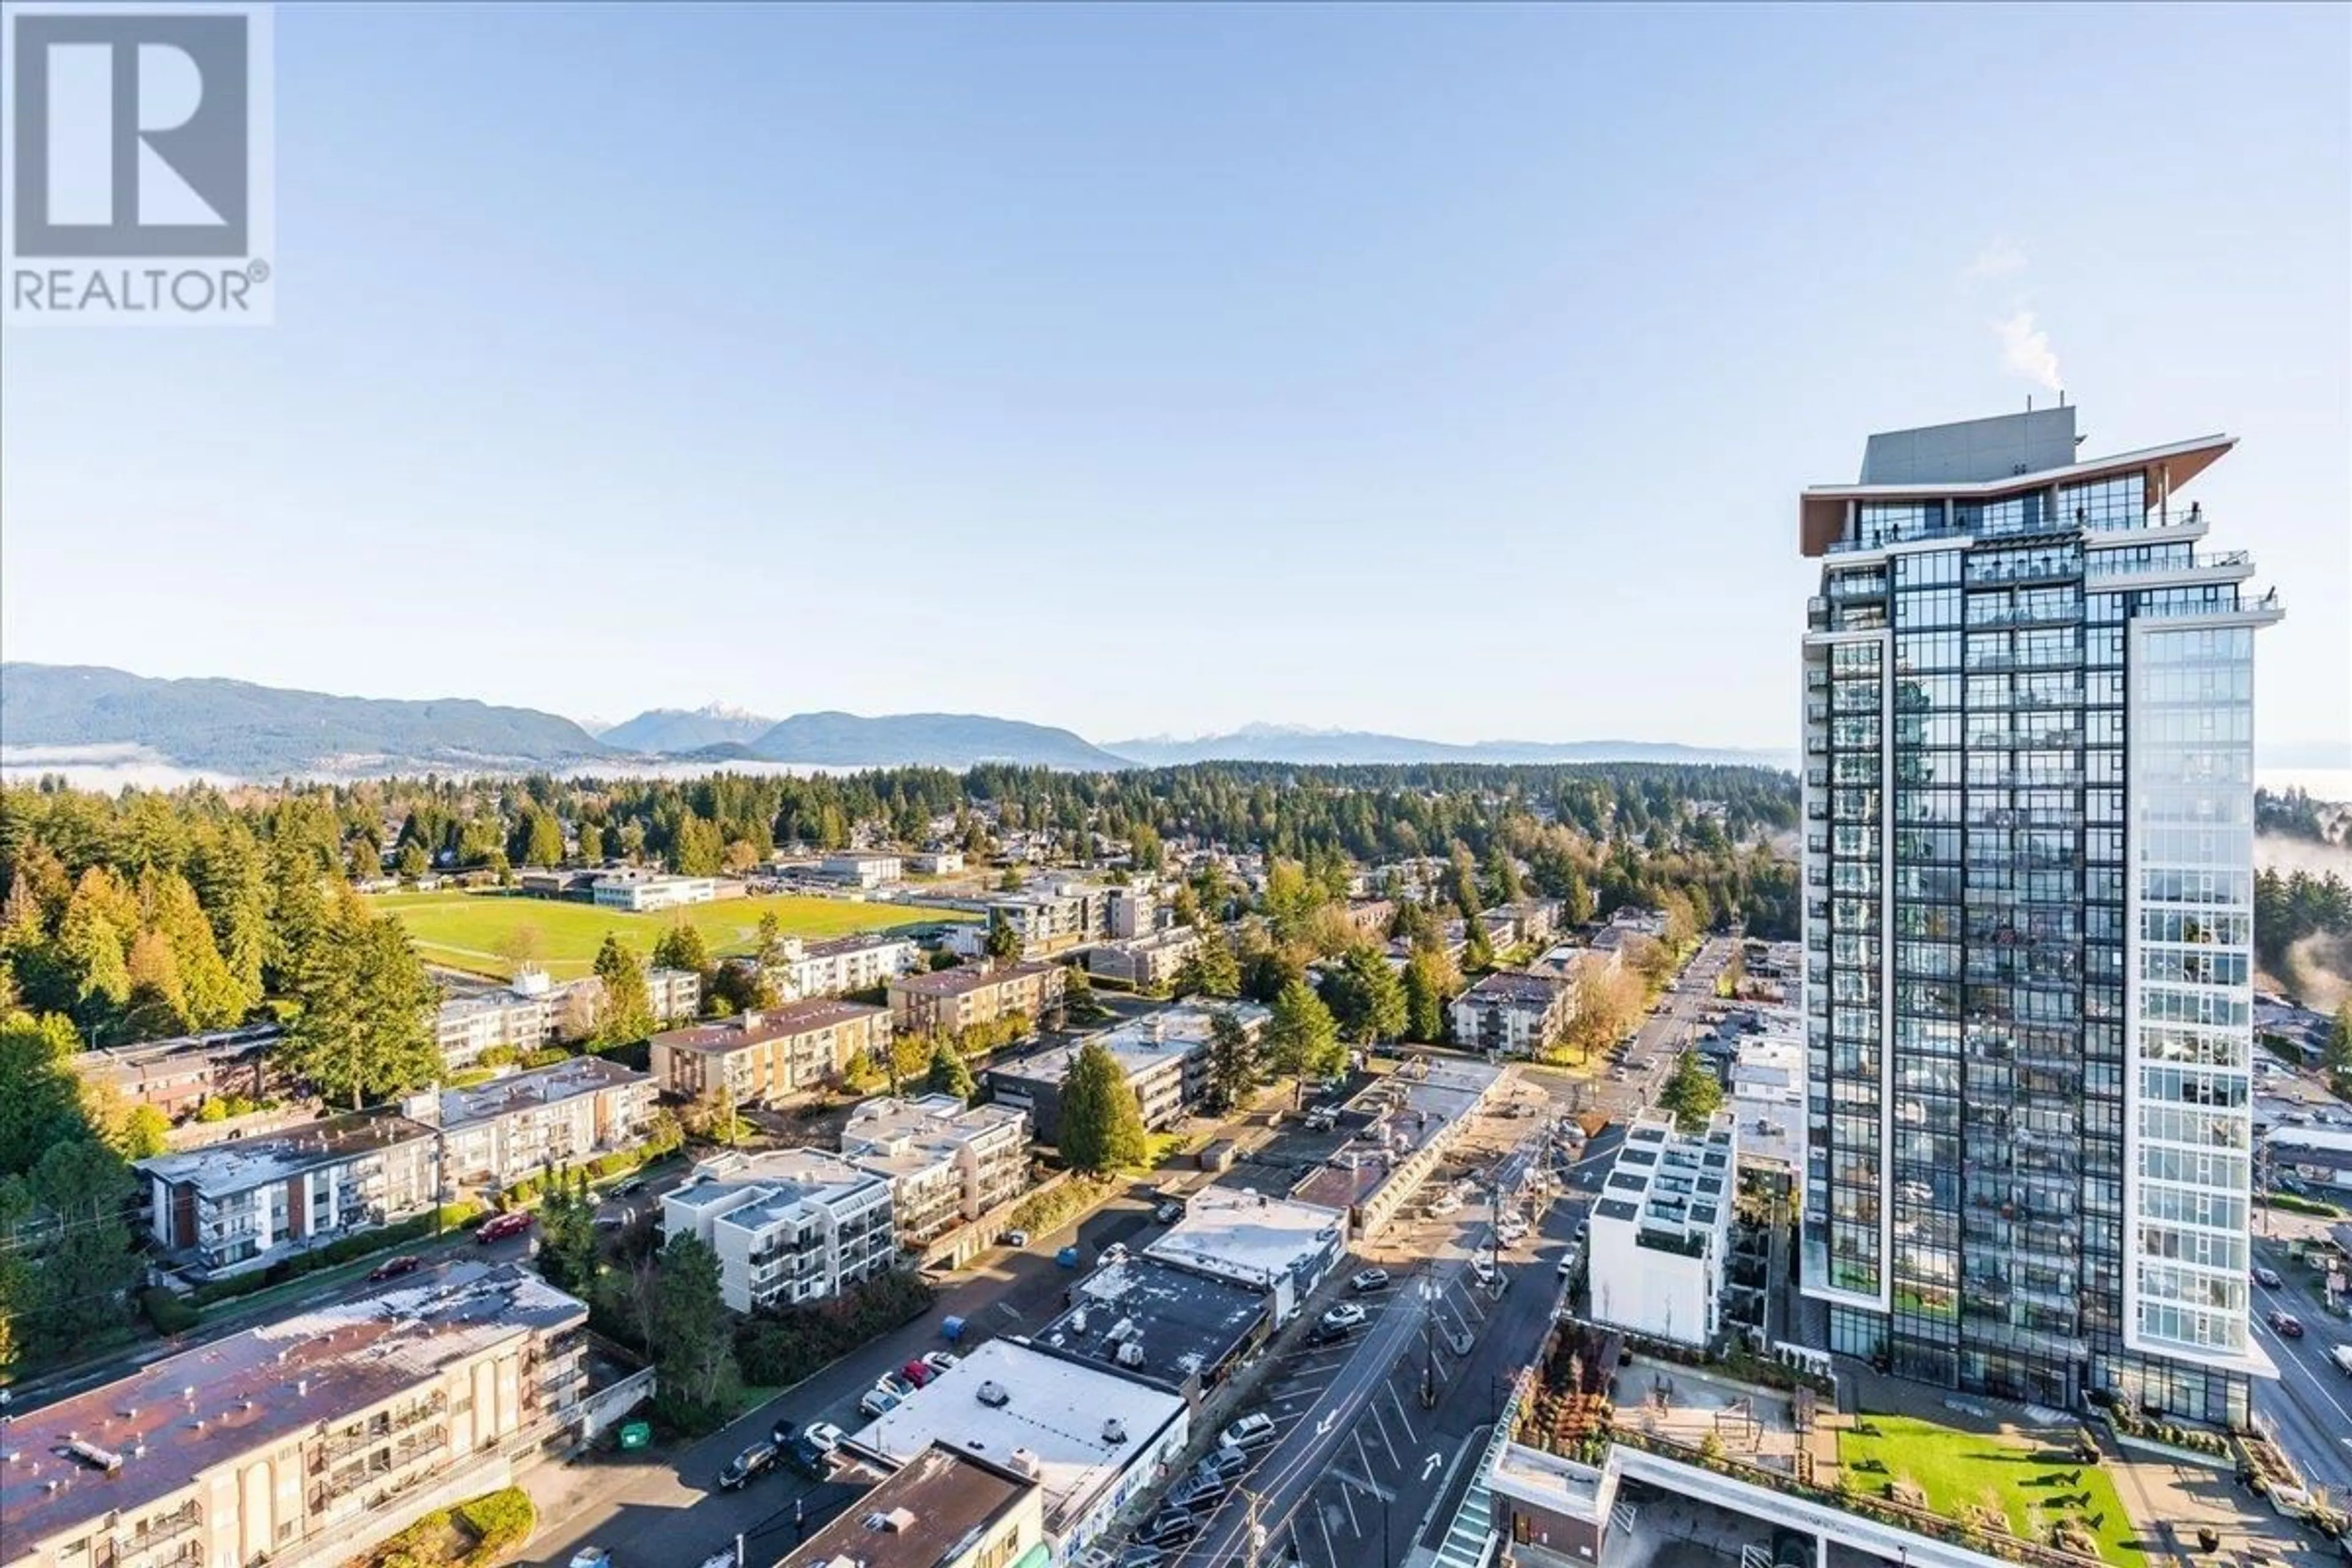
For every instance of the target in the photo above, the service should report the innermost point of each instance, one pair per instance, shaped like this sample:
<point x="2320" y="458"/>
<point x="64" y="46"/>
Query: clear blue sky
<point x="1449" y="372"/>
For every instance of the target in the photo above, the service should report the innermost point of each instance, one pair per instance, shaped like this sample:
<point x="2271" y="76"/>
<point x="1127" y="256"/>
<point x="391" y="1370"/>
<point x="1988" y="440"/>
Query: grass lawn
<point x="476" y="932"/>
<point x="1955" y="1468"/>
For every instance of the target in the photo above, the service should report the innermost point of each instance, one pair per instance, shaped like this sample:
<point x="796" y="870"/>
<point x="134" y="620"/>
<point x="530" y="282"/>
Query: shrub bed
<point x="778" y="1347"/>
<point x="452" y="1217"/>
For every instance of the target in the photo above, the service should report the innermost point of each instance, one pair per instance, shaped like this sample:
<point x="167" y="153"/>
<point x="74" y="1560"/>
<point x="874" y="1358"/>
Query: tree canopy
<point x="1102" y="1125"/>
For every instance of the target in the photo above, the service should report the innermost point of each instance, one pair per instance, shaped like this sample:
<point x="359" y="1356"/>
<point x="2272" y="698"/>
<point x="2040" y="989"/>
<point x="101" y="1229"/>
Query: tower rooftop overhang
<point x="1820" y="512"/>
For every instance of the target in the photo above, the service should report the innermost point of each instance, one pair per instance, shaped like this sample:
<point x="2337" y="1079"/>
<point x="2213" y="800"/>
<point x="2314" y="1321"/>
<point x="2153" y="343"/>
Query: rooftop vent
<point x="1130" y="1354"/>
<point x="993" y="1394"/>
<point x="1114" y="1432"/>
<point x="1027" y="1463"/>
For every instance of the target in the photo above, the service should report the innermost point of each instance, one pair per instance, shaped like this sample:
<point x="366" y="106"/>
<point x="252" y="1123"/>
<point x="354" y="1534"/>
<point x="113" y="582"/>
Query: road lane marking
<point x="1429" y="1465"/>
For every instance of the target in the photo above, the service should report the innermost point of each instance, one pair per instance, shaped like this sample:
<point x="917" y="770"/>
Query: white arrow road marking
<point x="1429" y="1465"/>
<point x="1323" y="1428"/>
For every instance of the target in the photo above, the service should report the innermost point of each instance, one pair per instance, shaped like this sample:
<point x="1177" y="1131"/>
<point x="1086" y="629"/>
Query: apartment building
<point x="1164" y="1055"/>
<point x="307" y="1441"/>
<point x="839" y="965"/>
<point x="947" y="1163"/>
<point x="1661" y="1230"/>
<point x="946" y="1000"/>
<point x="936" y="862"/>
<point x="178" y="1075"/>
<point x="1051" y="919"/>
<point x="788" y="1225"/>
<point x="497" y="1133"/>
<point x="2028" y="870"/>
<point x="1513" y="1012"/>
<point x="1145" y="962"/>
<point x="232" y="1206"/>
<point x="765" y="1057"/>
<point x="528" y="1013"/>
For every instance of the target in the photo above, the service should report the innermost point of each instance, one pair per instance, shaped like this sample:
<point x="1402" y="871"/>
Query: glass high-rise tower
<point x="2029" y="907"/>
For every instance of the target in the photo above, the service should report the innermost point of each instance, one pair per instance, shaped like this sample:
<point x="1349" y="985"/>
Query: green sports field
<point x="483" y="932"/>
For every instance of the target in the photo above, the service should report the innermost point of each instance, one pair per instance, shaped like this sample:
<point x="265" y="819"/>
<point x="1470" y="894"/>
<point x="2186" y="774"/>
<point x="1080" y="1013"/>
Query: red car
<point x="394" y="1267"/>
<point x="918" y="1373"/>
<point x="2288" y="1325"/>
<point x="498" y="1228"/>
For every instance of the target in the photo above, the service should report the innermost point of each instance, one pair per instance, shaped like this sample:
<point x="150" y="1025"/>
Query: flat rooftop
<point x="753" y="1191"/>
<point x="1055" y="1423"/>
<point x="243" y="1164"/>
<point x="180" y="1417"/>
<point x="755" y="1028"/>
<point x="1247" y="1236"/>
<point x="928" y="1512"/>
<point x="529" y="1090"/>
<point x="1513" y="986"/>
<point x="938" y="1121"/>
<point x="1669" y="1180"/>
<point x="1180" y="1322"/>
<point x="1138" y="1043"/>
<point x="964" y="981"/>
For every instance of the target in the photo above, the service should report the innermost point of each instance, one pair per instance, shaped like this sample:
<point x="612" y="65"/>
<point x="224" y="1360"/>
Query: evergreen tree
<point x="591" y="842"/>
<point x="1502" y="875"/>
<point x="628" y="1012"/>
<point x="691" y="1337"/>
<point x="682" y="947"/>
<point x="367" y="861"/>
<point x="217" y="996"/>
<point x="1302" y="1038"/>
<point x="1236" y="1068"/>
<point x="1003" y="943"/>
<point x="1210" y="969"/>
<point x="1429" y="986"/>
<point x="364" y="1029"/>
<point x="950" y="1072"/>
<point x="158" y="1004"/>
<point x="94" y="937"/>
<point x="1693" y="1093"/>
<point x="1102" y="1125"/>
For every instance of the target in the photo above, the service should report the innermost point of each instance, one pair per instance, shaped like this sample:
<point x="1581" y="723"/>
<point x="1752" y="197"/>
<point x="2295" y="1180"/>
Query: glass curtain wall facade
<point x="2028" y="891"/>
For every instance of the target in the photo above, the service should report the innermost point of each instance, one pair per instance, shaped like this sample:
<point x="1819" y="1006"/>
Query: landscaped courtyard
<point x="2033" y="1485"/>
<point x="489" y="933"/>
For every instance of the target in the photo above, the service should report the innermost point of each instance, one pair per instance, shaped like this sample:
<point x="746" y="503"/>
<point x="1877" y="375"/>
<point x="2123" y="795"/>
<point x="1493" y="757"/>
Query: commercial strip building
<point x="1164" y="1055"/>
<point x="948" y="1164"/>
<point x="497" y="1133"/>
<point x="1403" y="1125"/>
<point x="766" y="1057"/>
<point x="945" y="1508"/>
<point x="947" y="1000"/>
<point x="1513" y="1012"/>
<point x="1144" y="962"/>
<point x="1661" y="1230"/>
<point x="789" y="1225"/>
<point x="304" y="1442"/>
<point x="1278" y="1246"/>
<point x="1089" y="1439"/>
<point x="2028" y="883"/>
<point x="1167" y="1324"/>
<point x="237" y="1206"/>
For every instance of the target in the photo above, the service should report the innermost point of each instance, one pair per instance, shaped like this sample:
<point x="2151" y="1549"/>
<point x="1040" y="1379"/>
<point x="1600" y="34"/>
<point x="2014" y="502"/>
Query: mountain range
<point x="75" y="715"/>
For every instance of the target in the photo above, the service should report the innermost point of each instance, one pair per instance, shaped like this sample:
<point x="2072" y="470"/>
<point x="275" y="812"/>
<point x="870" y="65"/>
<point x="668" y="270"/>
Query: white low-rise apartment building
<point x="839" y="964"/>
<point x="947" y="1162"/>
<point x="1662" y="1227"/>
<point x="306" y="1441"/>
<point x="497" y="1133"/>
<point x="788" y="1225"/>
<point x="1513" y="1012"/>
<point x="768" y="1055"/>
<point x="530" y="1012"/>
<point x="641" y="892"/>
<point x="241" y="1204"/>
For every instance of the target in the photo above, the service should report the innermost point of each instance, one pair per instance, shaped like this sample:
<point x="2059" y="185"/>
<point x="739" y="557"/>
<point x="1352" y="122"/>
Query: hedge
<point x="780" y="1345"/>
<point x="1042" y="1212"/>
<point x="451" y="1216"/>
<point x="167" y="1312"/>
<point x="500" y="1520"/>
<point x="2294" y="1203"/>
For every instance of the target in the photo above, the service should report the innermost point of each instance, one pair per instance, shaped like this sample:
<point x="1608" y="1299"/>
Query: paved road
<point x="2309" y="1404"/>
<point x="1651" y="1056"/>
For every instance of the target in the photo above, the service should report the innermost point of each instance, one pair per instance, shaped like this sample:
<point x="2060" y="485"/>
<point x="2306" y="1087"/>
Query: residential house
<point x="236" y="1205"/>
<point x="765" y="1057"/>
<point x="943" y="1001"/>
<point x="788" y="1225"/>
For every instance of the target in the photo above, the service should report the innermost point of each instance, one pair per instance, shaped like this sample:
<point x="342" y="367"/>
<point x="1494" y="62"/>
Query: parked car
<point x="1222" y="1464"/>
<point x="1172" y="1528"/>
<point x="1141" y="1557"/>
<point x="808" y="1458"/>
<point x="918" y="1373"/>
<point x="394" y="1267"/>
<point x="1248" y="1433"/>
<point x="1367" y="1280"/>
<point x="1169" y="1212"/>
<point x="1016" y="1239"/>
<point x="755" y="1461"/>
<point x="2266" y="1277"/>
<point x="825" y="1434"/>
<point x="592" y="1557"/>
<point x="893" y="1382"/>
<point x="1196" y="1494"/>
<point x="1326" y="1333"/>
<point x="498" y="1228"/>
<point x="1568" y="1262"/>
<point x="1483" y="1272"/>
<point x="2286" y="1325"/>
<point x="630" y="1188"/>
<point x="939" y="1360"/>
<point x="1346" y="1315"/>
<point x="878" y="1401"/>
